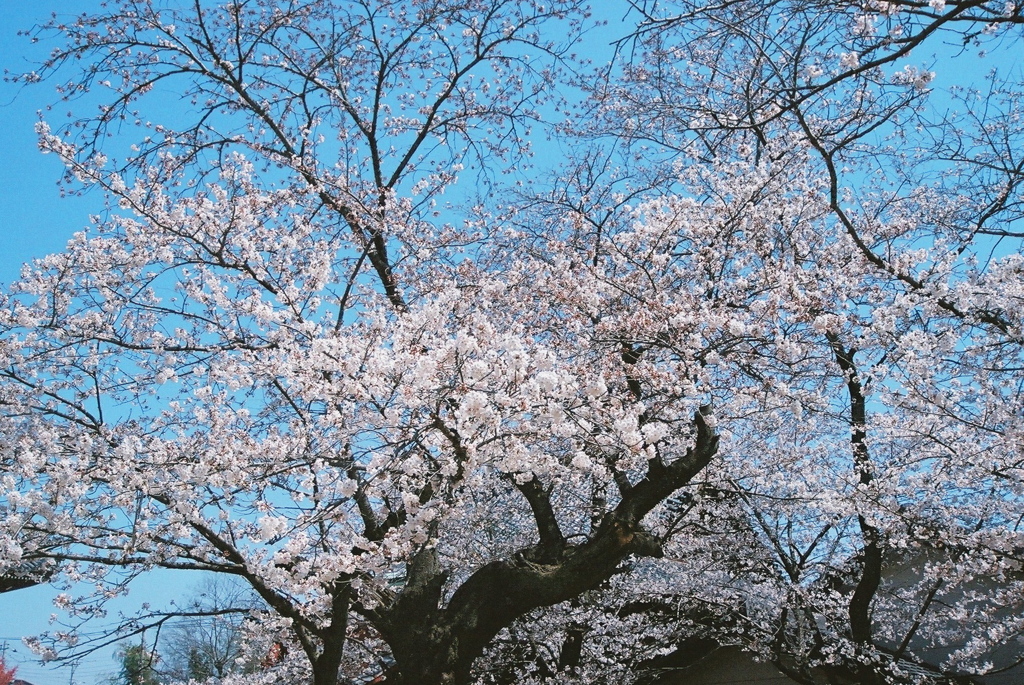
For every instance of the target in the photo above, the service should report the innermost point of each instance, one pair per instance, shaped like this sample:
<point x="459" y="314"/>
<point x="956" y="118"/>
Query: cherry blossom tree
<point x="880" y="546"/>
<point x="220" y="387"/>
<point x="710" y="382"/>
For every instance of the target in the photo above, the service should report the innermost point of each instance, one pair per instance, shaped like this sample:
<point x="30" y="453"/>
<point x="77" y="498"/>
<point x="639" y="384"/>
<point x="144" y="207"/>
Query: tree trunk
<point x="332" y="638"/>
<point x="438" y="646"/>
<point x="435" y="645"/>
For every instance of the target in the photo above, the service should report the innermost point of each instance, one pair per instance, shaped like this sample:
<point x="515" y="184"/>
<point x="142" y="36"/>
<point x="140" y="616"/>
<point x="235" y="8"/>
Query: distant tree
<point x="209" y="642"/>
<point x="6" y="674"/>
<point x="138" y="665"/>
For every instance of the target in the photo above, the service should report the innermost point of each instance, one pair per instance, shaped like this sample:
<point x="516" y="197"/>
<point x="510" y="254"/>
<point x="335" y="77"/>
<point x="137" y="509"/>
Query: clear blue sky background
<point x="35" y="220"/>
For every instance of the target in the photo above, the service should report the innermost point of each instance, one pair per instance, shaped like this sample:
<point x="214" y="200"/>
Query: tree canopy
<point x="749" y="348"/>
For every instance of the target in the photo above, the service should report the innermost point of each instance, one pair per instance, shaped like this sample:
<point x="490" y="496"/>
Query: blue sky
<point x="33" y="221"/>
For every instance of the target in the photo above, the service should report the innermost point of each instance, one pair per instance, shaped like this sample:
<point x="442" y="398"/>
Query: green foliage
<point x="137" y="666"/>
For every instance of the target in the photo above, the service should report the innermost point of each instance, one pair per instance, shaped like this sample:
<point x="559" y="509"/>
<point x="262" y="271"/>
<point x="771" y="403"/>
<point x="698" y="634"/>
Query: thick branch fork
<point x="435" y="644"/>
